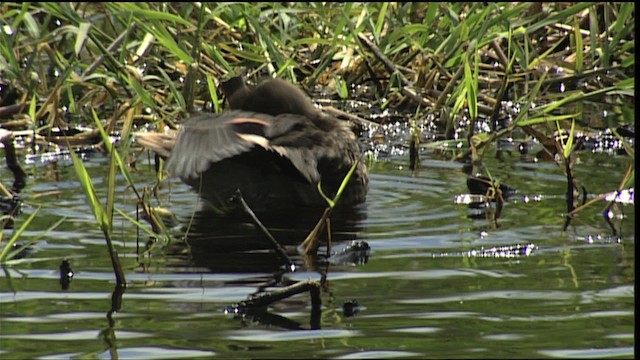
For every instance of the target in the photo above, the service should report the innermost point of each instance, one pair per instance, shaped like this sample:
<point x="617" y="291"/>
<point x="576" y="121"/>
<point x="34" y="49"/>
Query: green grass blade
<point x="141" y="12"/>
<point x="31" y="24"/>
<point x="472" y="86"/>
<point x="546" y="118"/>
<point x="140" y="225"/>
<point x="116" y="159"/>
<point x="6" y="249"/>
<point x="111" y="187"/>
<point x="110" y="148"/>
<point x="213" y="94"/>
<point x="41" y="235"/>
<point x="524" y="112"/>
<point x="177" y="95"/>
<point x="81" y="36"/>
<point x="577" y="96"/>
<point x="568" y="146"/>
<point x="579" y="46"/>
<point x="140" y="91"/>
<point x="559" y="16"/>
<point x="536" y="62"/>
<point x="89" y="190"/>
<point x="380" y="21"/>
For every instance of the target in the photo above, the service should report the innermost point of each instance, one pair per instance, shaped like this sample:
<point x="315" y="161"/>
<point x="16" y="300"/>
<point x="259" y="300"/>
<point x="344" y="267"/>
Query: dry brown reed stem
<point x="447" y="89"/>
<point x="356" y="119"/>
<point x="311" y="244"/>
<point x="503" y="59"/>
<point x="10" y="110"/>
<point x="20" y="176"/>
<point x="392" y="69"/>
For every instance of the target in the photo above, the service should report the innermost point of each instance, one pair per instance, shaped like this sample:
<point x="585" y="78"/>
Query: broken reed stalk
<point x="238" y="198"/>
<point x="311" y="243"/>
<point x="586" y="204"/>
<point x="414" y="148"/>
<point x="20" y="176"/>
<point x="115" y="262"/>
<point x="571" y="188"/>
<point x="8" y="111"/>
<point x="262" y="300"/>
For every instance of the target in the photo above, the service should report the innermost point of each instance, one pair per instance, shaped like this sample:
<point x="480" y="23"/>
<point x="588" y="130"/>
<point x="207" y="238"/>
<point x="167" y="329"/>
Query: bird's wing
<point x="209" y="138"/>
<point x="299" y="140"/>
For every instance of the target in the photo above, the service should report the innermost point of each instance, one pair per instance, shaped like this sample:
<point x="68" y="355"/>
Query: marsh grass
<point x="9" y="250"/>
<point x="115" y="67"/>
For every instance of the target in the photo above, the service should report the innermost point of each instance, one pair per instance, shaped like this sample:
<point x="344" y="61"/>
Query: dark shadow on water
<point x="233" y="244"/>
<point x="262" y="316"/>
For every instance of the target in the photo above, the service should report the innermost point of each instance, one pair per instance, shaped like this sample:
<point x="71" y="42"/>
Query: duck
<point x="272" y="144"/>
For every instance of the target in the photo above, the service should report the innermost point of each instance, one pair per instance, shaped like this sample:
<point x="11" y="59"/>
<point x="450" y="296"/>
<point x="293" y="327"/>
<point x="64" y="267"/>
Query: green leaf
<point x="535" y="62"/>
<point x="121" y="7"/>
<point x="81" y="36"/>
<point x="32" y="25"/>
<point x="524" y="111"/>
<point x="628" y="61"/>
<point x="89" y="190"/>
<point x="381" y="17"/>
<point x="177" y="95"/>
<point x="141" y="92"/>
<point x="16" y="235"/>
<point x="111" y="187"/>
<point x="579" y="46"/>
<point x="568" y="147"/>
<point x="213" y="93"/>
<point x="546" y="118"/>
<point x="32" y="109"/>
<point x="559" y="16"/>
<point x="471" y="83"/>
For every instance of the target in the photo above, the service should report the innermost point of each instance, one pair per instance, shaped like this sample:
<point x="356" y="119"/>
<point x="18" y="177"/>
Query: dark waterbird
<point x="273" y="145"/>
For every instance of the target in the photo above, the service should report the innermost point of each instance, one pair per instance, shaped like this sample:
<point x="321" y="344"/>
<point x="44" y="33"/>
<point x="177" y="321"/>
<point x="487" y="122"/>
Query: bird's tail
<point x="161" y="143"/>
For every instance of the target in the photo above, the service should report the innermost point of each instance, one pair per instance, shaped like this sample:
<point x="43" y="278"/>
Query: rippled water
<point x="432" y="285"/>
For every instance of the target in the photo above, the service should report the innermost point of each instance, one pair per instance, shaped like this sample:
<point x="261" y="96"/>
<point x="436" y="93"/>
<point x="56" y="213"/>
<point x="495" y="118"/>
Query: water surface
<point x="435" y="283"/>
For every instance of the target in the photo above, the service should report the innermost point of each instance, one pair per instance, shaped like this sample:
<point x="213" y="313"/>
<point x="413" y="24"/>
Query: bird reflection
<point x="231" y="243"/>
